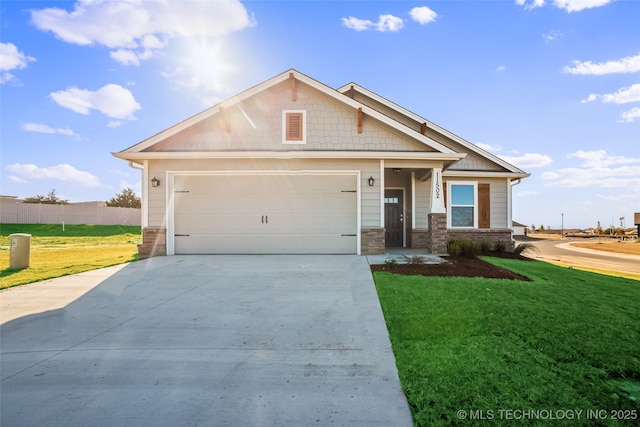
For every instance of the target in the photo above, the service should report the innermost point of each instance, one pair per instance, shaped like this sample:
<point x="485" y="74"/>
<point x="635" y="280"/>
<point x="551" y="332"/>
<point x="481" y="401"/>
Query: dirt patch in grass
<point x="456" y="267"/>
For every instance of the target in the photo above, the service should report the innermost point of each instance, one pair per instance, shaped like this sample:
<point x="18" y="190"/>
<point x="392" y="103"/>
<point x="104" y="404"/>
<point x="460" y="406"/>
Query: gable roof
<point x="237" y="100"/>
<point x="421" y="120"/>
<point x="386" y="112"/>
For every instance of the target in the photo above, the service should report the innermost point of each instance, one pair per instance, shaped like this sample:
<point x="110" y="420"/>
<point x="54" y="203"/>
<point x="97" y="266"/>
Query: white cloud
<point x="10" y="59"/>
<point x="63" y="172"/>
<point x="631" y="115"/>
<point x="529" y="160"/>
<point x="16" y="179"/>
<point x="621" y="96"/>
<point x="489" y="147"/>
<point x="135" y="28"/>
<point x="629" y="64"/>
<point x="624" y="95"/>
<point x="114" y="123"/>
<point x="600" y="158"/>
<point x="386" y="23"/>
<point x="389" y="23"/>
<point x="42" y="128"/>
<point x="38" y="127"/>
<point x="622" y="177"/>
<point x="568" y="5"/>
<point x="531" y="4"/>
<point x="423" y="15"/>
<point x="125" y="57"/>
<point x="111" y="100"/>
<point x="552" y="35"/>
<point x="501" y="68"/>
<point x="598" y="170"/>
<point x="357" y="24"/>
<point x="578" y="5"/>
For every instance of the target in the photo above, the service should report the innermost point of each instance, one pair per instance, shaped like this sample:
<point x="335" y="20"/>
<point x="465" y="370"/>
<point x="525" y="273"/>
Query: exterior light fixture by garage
<point x="371" y="181"/>
<point x="396" y="171"/>
<point x="155" y="182"/>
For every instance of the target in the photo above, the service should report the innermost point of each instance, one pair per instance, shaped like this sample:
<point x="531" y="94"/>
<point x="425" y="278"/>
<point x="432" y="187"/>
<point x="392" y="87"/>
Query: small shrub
<point x="415" y="259"/>
<point x="500" y="247"/>
<point x="391" y="263"/>
<point x="454" y="248"/>
<point x="526" y="248"/>
<point x="484" y="247"/>
<point x="463" y="247"/>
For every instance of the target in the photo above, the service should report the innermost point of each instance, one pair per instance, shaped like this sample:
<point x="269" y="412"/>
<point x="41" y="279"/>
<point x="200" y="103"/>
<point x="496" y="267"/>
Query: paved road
<point x="561" y="250"/>
<point x="204" y="340"/>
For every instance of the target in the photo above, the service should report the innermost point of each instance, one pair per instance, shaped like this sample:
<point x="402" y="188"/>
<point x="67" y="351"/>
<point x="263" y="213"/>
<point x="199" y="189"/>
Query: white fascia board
<point x="433" y="126"/>
<point x="483" y="174"/>
<point x="390" y="155"/>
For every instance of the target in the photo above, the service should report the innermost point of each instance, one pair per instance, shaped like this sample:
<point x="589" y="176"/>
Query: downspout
<point x="510" y="219"/>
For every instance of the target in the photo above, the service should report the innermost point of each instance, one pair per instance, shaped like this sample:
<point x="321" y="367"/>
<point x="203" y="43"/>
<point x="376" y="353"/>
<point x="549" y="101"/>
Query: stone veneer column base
<point x="437" y="233"/>
<point x="154" y="243"/>
<point x="372" y="241"/>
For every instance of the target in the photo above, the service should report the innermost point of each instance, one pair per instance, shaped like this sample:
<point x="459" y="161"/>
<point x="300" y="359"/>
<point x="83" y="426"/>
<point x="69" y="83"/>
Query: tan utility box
<point x="20" y="254"/>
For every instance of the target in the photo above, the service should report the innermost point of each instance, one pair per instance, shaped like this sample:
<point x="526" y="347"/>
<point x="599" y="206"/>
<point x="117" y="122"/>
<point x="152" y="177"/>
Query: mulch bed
<point x="455" y="266"/>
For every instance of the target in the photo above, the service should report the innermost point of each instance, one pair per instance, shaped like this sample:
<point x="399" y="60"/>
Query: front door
<point x="393" y="218"/>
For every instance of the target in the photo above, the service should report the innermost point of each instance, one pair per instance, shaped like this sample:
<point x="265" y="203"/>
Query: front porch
<point x="413" y="214"/>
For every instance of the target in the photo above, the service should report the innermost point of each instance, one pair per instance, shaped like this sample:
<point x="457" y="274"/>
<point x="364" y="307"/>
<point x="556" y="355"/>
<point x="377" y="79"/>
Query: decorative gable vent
<point x="294" y="127"/>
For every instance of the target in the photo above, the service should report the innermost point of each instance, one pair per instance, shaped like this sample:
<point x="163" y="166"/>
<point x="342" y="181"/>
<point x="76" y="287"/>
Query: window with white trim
<point x="463" y="204"/>
<point x="294" y="127"/>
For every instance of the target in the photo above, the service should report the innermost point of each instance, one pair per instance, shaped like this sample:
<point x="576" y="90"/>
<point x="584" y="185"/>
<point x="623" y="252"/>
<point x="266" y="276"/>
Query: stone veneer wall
<point x="372" y="241"/>
<point x="488" y="235"/>
<point x="154" y="243"/>
<point x="420" y="239"/>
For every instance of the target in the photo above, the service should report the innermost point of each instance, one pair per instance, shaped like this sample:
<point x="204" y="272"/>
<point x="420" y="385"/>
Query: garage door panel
<point x="265" y="214"/>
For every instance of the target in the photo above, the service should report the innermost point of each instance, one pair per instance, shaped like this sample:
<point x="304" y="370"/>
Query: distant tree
<point x="533" y="228"/>
<point x="542" y="228"/>
<point x="599" y="229"/>
<point x="125" y="199"/>
<point x="50" y="199"/>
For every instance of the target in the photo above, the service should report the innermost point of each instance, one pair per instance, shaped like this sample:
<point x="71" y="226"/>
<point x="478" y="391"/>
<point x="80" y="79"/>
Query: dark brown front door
<point x="393" y="218"/>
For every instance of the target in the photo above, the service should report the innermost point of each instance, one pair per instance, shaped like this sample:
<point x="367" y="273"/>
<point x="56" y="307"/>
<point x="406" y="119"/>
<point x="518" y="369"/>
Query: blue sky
<point x="553" y="86"/>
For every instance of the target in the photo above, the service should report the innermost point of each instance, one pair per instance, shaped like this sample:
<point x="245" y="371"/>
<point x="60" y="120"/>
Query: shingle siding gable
<point x="331" y="126"/>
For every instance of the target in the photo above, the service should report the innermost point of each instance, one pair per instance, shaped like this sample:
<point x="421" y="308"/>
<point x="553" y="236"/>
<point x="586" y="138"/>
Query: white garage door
<point x="265" y="214"/>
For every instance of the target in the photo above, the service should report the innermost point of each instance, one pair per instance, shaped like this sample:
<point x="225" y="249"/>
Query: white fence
<point x="13" y="212"/>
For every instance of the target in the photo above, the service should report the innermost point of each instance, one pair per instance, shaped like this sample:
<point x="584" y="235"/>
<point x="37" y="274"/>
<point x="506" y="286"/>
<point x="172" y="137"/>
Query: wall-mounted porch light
<point x="371" y="181"/>
<point x="396" y="171"/>
<point x="155" y="182"/>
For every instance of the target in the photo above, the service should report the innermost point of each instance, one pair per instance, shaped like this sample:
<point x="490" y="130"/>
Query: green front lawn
<point x="567" y="340"/>
<point x="56" y="252"/>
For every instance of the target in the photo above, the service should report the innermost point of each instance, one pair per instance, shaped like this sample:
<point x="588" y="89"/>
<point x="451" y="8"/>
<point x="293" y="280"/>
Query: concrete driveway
<point x="207" y="340"/>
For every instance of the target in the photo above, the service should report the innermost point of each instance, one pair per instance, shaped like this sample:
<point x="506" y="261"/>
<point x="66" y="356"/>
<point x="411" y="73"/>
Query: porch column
<point x="437" y="194"/>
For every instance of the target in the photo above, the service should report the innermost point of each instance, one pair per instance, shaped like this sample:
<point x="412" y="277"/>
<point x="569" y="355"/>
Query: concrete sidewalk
<point x="208" y="340"/>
